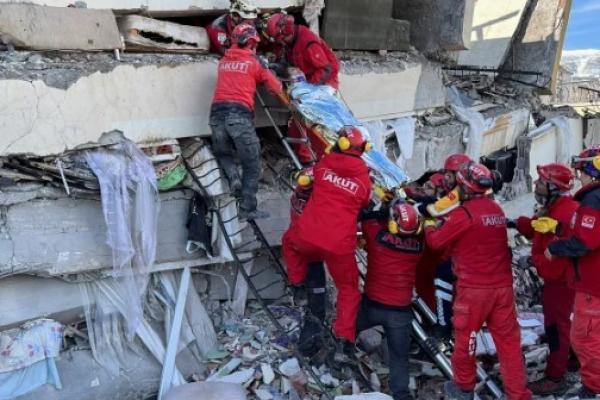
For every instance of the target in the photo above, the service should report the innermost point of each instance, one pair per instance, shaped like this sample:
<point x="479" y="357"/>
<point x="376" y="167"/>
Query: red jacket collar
<point x="585" y="190"/>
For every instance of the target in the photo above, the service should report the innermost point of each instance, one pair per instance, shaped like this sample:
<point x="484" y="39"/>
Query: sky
<point x="583" y="31"/>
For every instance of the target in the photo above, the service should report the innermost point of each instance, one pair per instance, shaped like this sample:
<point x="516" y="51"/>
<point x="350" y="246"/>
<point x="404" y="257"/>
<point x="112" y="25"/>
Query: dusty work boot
<point x="252" y="214"/>
<point x="236" y="188"/>
<point x="344" y="352"/>
<point x="586" y="393"/>
<point x="311" y="336"/>
<point x="299" y="295"/>
<point x="453" y="392"/>
<point x="548" y="386"/>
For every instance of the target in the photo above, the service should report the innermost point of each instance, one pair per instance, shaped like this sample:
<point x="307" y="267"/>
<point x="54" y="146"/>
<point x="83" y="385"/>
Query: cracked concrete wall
<point x="164" y="5"/>
<point x="437" y="25"/>
<point x="161" y="98"/>
<point x="538" y="46"/>
<point x="433" y="145"/>
<point x="68" y="235"/>
<point x="374" y="95"/>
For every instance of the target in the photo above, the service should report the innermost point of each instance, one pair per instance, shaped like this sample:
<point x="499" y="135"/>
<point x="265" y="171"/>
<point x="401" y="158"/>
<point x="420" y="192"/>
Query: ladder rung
<point x="258" y="273"/>
<point x="243" y="245"/>
<point x="268" y="286"/>
<point x="296" y="140"/>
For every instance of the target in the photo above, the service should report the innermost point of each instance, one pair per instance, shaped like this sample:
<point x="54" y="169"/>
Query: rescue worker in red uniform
<point x="220" y="30"/>
<point x="582" y="249"/>
<point x="476" y="236"/>
<point x="326" y="230"/>
<point x="552" y="222"/>
<point x="313" y="294"/>
<point x="232" y="116"/>
<point x="308" y="52"/>
<point x="394" y="247"/>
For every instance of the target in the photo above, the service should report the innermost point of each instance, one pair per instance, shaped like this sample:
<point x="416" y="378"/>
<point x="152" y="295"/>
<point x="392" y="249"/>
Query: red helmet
<point x="351" y="141"/>
<point x="556" y="174"/>
<point x="588" y="161"/>
<point x="456" y="162"/>
<point x="279" y="26"/>
<point x="243" y="34"/>
<point x="404" y="219"/>
<point x="438" y="180"/>
<point x="475" y="178"/>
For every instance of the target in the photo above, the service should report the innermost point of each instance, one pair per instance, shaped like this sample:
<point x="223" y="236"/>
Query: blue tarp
<point x="319" y="105"/>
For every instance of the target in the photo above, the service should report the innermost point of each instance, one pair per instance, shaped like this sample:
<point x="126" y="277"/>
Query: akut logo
<point x="343" y="183"/>
<point x="235" y="66"/>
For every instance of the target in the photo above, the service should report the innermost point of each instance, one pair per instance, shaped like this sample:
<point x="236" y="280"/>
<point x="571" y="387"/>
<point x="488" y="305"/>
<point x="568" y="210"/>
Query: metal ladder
<point x="246" y="253"/>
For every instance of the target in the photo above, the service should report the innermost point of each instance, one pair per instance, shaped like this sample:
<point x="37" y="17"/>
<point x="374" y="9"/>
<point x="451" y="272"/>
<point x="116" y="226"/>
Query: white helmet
<point x="244" y="8"/>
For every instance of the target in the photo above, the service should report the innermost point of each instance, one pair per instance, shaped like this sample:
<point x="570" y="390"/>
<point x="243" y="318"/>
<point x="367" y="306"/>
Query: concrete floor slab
<point x="494" y="25"/>
<point x="27" y="26"/>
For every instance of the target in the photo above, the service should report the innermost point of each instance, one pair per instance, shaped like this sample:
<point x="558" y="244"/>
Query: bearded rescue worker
<point x="551" y="223"/>
<point x="394" y="247"/>
<point x="313" y="294"/>
<point x="309" y="53"/>
<point x="326" y="230"/>
<point x="220" y="30"/>
<point x="476" y="236"/>
<point x="582" y="249"/>
<point x="232" y="116"/>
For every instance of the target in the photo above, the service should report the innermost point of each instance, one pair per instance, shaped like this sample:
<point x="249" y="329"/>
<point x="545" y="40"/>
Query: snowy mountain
<point x="582" y="63"/>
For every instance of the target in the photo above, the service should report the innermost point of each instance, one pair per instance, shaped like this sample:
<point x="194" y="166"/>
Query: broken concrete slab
<point x="27" y="26"/>
<point x="74" y="98"/>
<point x="416" y="85"/>
<point x="437" y="25"/>
<point x="68" y="235"/>
<point x="166" y="8"/>
<point x="141" y="33"/>
<point x="494" y="25"/>
<point x="504" y="130"/>
<point x="378" y="31"/>
<point x="538" y="44"/>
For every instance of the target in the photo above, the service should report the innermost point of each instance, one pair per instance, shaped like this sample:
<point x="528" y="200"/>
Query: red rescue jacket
<point x="341" y="188"/>
<point x="477" y="238"/>
<point x="314" y="57"/>
<point x="238" y="73"/>
<point x="219" y="34"/>
<point x="583" y="247"/>
<point x="392" y="264"/>
<point x="562" y="210"/>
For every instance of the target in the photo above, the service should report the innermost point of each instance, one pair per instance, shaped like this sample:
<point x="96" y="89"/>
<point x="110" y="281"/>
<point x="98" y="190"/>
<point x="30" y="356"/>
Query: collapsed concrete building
<point x="428" y="78"/>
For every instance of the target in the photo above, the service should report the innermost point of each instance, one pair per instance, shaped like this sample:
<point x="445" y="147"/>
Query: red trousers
<point x="297" y="254"/>
<point x="304" y="151"/>
<point x="557" y="300"/>
<point x="496" y="307"/>
<point x="585" y="338"/>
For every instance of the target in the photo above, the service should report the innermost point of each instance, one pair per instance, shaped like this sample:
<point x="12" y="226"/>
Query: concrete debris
<point x="207" y="391"/>
<point x="148" y="34"/>
<point x="27" y="26"/>
<point x="365" y="396"/>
